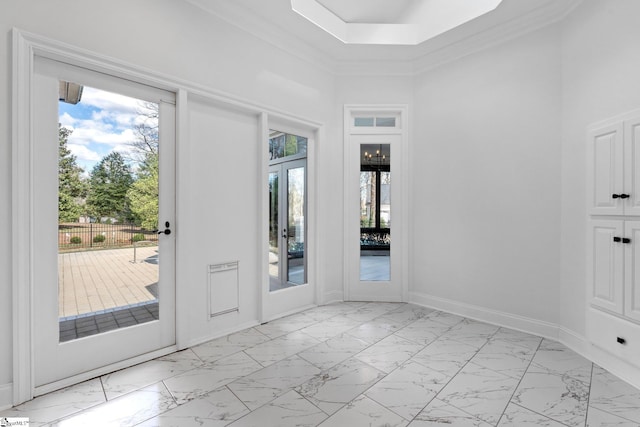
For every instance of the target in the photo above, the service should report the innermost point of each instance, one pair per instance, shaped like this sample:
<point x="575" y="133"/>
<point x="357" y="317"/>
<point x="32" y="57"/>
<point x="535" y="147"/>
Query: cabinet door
<point x="632" y="166"/>
<point x="605" y="273"/>
<point x="605" y="154"/>
<point x="632" y="270"/>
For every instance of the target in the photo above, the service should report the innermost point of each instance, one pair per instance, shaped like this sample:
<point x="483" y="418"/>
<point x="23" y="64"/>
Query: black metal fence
<point x="81" y="236"/>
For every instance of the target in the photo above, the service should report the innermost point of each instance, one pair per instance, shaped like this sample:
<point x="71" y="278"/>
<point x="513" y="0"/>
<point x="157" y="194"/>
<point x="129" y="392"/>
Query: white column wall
<point x="486" y="178"/>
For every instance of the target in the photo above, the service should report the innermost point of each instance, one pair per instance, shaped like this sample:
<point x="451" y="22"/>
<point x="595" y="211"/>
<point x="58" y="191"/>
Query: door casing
<point x="395" y="289"/>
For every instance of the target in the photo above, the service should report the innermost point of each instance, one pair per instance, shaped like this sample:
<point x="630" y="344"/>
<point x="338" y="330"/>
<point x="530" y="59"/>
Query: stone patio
<point x="101" y="280"/>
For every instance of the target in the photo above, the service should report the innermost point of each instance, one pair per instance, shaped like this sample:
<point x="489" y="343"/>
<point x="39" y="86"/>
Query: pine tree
<point x="109" y="182"/>
<point x="71" y="187"/>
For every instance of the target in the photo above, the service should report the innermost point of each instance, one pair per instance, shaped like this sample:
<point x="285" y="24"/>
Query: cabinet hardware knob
<point x="621" y="340"/>
<point x="617" y="239"/>
<point x="624" y="196"/>
<point x="626" y="240"/>
<point x="615" y="196"/>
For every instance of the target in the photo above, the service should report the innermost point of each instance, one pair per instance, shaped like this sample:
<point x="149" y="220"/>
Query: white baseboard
<point x="616" y="366"/>
<point x="571" y="339"/>
<point x="333" y="296"/>
<point x="500" y="318"/>
<point x="241" y="327"/>
<point x="6" y="396"/>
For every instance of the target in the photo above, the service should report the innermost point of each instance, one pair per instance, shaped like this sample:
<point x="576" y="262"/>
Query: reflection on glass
<point x="284" y="145"/>
<point x="375" y="212"/>
<point x="295" y="234"/>
<point x="107" y="212"/>
<point x="274" y="233"/>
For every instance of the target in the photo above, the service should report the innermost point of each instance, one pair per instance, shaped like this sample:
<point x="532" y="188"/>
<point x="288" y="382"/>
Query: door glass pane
<point x="295" y="231"/>
<point x="274" y="231"/>
<point x="107" y="211"/>
<point x="375" y="212"/>
<point x="285" y="145"/>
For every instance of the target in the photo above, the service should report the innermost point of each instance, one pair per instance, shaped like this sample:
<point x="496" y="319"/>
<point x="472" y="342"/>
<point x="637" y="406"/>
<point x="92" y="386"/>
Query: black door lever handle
<point x="166" y="231"/>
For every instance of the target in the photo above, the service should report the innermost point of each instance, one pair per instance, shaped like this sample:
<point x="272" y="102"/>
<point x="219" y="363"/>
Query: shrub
<point x="99" y="238"/>
<point x="138" y="237"/>
<point x="76" y="240"/>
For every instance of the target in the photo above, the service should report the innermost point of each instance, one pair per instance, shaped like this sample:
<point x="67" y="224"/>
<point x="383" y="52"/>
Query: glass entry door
<point x="104" y="208"/>
<point x="287" y="210"/>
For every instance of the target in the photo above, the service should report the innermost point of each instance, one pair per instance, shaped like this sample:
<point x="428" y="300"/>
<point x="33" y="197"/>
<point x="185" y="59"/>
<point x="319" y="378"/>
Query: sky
<point x="101" y="122"/>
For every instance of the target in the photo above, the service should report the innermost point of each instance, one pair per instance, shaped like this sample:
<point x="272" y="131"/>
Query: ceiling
<point x="388" y="22"/>
<point x="370" y="11"/>
<point x="277" y="23"/>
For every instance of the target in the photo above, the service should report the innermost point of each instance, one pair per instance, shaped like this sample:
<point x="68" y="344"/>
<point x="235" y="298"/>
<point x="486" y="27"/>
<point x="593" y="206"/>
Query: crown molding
<point x="383" y="60"/>
<point x="546" y="15"/>
<point x="248" y="21"/>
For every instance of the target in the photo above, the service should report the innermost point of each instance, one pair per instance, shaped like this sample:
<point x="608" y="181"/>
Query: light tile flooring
<point x="353" y="364"/>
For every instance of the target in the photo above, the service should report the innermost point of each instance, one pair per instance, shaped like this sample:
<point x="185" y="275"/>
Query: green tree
<point x="71" y="187"/>
<point x="109" y="181"/>
<point x="143" y="194"/>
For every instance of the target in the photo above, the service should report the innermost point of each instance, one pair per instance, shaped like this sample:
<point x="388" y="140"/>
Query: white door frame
<point x="400" y="202"/>
<point x="283" y="302"/>
<point x="25" y="49"/>
<point x="54" y="364"/>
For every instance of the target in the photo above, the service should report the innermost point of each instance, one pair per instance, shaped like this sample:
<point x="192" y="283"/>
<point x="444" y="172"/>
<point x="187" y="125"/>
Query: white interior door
<point x="118" y="297"/>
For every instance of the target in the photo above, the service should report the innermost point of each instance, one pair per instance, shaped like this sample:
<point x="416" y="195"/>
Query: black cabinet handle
<point x="626" y="240"/>
<point x="617" y="239"/>
<point x="620" y="196"/>
<point x="621" y="340"/>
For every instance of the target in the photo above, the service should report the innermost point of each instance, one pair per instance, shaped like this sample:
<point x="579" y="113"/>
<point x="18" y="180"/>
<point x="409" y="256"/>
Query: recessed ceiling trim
<point x="430" y="19"/>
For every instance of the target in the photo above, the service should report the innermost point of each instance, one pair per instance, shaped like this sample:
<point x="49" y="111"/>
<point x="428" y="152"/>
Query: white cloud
<point x="110" y="126"/>
<point x="67" y="121"/>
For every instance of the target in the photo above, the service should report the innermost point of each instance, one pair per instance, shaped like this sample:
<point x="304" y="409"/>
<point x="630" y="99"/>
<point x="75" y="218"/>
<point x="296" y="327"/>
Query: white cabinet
<point x="613" y="160"/>
<point x="614" y="273"/>
<point x="606" y="273"/>
<point x="632" y="271"/>
<point x="613" y="241"/>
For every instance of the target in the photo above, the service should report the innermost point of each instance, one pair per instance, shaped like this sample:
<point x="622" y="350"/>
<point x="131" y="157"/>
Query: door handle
<point x="166" y="231"/>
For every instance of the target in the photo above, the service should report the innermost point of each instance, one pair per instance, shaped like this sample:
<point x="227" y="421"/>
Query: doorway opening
<point x="287" y="210"/>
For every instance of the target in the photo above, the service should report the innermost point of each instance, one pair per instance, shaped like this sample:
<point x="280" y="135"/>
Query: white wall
<point x="176" y="39"/>
<point x="486" y="161"/>
<point x="600" y="79"/>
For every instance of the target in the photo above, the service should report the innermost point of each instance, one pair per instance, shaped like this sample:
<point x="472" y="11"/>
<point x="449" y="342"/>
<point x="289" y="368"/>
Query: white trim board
<point x="553" y="331"/>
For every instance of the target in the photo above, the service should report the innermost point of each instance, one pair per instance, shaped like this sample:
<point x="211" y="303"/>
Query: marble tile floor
<point x="353" y="364"/>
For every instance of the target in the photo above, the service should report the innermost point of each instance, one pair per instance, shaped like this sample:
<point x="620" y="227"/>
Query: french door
<point x="287" y="243"/>
<point x="289" y="286"/>
<point x="104" y="209"/>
